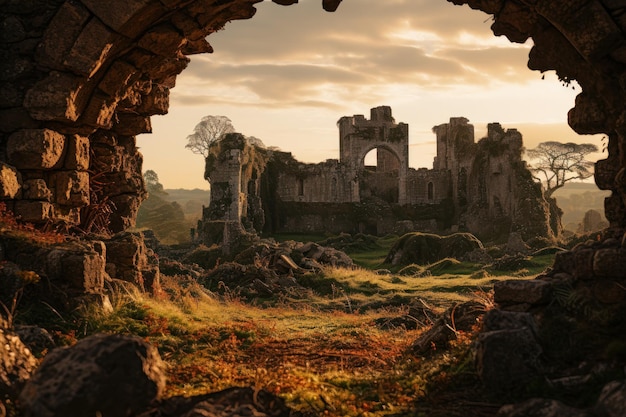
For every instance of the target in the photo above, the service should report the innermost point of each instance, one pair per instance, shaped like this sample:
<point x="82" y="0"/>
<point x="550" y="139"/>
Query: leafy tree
<point x="153" y="186"/>
<point x="555" y="163"/>
<point x="209" y="130"/>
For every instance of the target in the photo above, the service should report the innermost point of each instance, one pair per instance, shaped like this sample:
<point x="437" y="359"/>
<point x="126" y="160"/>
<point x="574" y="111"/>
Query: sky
<point x="287" y="76"/>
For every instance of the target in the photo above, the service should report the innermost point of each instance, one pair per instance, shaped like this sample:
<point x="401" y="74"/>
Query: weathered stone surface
<point x="35" y="149"/>
<point x="506" y="320"/>
<point x="72" y="188"/>
<point x="609" y="263"/>
<point x="133" y="261"/>
<point x="90" y="49"/>
<point x="156" y="102"/>
<point x="58" y="97"/>
<point x="423" y="248"/>
<point x="36" y="189"/>
<point x="507" y="359"/>
<point x="61" y="34"/>
<point x="77" y="157"/>
<point x="583" y="261"/>
<point x="118" y="17"/>
<point x="108" y="375"/>
<point x="9" y="181"/>
<point x="522" y="291"/>
<point x="16" y="361"/>
<point x="33" y="211"/>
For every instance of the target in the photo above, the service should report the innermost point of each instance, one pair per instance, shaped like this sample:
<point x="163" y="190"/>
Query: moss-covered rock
<point x="425" y="248"/>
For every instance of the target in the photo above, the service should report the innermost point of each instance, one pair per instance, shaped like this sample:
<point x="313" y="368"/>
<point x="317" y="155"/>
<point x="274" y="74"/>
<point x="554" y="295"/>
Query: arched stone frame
<point x="403" y="158"/>
<point x="89" y="74"/>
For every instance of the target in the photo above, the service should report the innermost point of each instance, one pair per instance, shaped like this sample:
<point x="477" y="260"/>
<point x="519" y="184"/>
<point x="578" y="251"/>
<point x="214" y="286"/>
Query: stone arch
<point x="384" y="181"/>
<point x="80" y="79"/>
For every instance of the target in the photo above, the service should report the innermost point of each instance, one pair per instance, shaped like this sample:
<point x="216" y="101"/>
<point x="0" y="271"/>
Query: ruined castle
<point x="482" y="187"/>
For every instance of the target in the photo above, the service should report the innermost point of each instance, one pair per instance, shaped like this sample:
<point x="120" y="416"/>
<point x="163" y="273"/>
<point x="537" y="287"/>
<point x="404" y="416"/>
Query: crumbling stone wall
<point x="487" y="185"/>
<point x="78" y="80"/>
<point x="82" y="78"/>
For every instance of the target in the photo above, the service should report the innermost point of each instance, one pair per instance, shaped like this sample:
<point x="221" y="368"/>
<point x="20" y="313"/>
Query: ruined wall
<point x="500" y="194"/>
<point x="82" y="77"/>
<point x="358" y="136"/>
<point x="78" y="81"/>
<point x="428" y="186"/>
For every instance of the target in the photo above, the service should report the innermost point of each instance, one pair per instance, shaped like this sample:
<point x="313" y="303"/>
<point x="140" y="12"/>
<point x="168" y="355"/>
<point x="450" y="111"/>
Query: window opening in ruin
<point x="333" y="188"/>
<point x="431" y="191"/>
<point x="300" y="187"/>
<point x="370" y="162"/>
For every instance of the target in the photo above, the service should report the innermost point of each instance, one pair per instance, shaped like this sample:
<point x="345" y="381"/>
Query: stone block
<point x="588" y="115"/>
<point x="522" y="291"/>
<point x="90" y="49"/>
<point x="507" y="359"/>
<point x="609" y="263"/>
<point x="614" y="209"/>
<point x="61" y="34"/>
<point x="107" y="375"/>
<point x="72" y="188"/>
<point x="36" y="189"/>
<point x="157" y="102"/>
<point x="132" y="261"/>
<point x="131" y="124"/>
<point x="565" y="262"/>
<point x="130" y="17"/>
<point x="100" y="111"/>
<point x="605" y="171"/>
<point x="583" y="264"/>
<point x="65" y="214"/>
<point x="77" y="156"/>
<point x="35" y="149"/>
<point x="200" y="46"/>
<point x="85" y="272"/>
<point x="33" y="211"/>
<point x="9" y="181"/>
<point x="118" y="77"/>
<point x="15" y="119"/>
<point x="162" y="40"/>
<point x="59" y="96"/>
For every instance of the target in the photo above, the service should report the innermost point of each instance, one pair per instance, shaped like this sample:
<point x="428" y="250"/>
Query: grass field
<point x="325" y="351"/>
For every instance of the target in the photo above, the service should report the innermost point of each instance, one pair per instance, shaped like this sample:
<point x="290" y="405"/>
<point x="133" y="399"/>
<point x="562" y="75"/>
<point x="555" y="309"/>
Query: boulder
<point x="104" y="375"/>
<point x="424" y="248"/>
<point x="518" y="291"/>
<point x="16" y="361"/>
<point x="507" y="353"/>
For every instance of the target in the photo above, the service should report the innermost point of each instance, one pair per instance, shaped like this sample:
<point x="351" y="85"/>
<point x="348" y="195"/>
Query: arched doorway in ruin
<point x="379" y="175"/>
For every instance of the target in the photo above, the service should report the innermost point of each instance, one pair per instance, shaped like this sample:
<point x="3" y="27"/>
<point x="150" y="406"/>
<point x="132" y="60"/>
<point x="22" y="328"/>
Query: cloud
<point x="300" y="55"/>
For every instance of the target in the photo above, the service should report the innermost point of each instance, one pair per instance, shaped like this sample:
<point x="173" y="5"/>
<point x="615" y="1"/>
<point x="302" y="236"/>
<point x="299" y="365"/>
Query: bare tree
<point x="555" y="163"/>
<point x="209" y="130"/>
